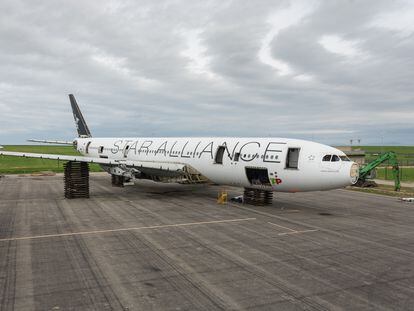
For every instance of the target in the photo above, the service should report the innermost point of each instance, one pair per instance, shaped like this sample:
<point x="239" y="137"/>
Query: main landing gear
<point x="117" y="180"/>
<point x="121" y="181"/>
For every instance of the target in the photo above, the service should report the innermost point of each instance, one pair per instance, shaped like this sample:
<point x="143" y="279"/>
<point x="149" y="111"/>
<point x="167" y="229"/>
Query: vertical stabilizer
<point x="81" y="126"/>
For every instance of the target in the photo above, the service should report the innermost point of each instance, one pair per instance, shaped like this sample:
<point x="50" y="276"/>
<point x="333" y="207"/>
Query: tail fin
<point x="81" y="126"/>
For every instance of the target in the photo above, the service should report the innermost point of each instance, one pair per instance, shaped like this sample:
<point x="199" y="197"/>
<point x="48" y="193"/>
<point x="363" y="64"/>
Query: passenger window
<point x="335" y="158"/>
<point x="327" y="158"/>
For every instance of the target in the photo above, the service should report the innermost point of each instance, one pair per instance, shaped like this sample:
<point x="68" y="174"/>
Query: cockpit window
<point x="327" y="158"/>
<point x="335" y="158"/>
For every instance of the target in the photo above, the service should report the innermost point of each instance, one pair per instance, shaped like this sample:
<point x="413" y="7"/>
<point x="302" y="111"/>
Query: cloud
<point x="279" y="20"/>
<point x="322" y="70"/>
<point x="199" y="61"/>
<point x="398" y="19"/>
<point x="337" y="45"/>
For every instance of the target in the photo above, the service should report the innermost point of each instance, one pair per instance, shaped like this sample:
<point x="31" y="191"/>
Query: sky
<point x="327" y="71"/>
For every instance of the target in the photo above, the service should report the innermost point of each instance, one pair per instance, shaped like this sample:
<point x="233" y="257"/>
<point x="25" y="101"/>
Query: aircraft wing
<point x="135" y="164"/>
<point x="55" y="142"/>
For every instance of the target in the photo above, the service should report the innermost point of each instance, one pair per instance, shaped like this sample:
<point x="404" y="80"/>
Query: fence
<point x="406" y="173"/>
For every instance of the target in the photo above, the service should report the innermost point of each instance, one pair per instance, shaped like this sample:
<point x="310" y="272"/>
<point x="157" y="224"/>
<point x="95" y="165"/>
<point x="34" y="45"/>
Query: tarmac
<point x="156" y="246"/>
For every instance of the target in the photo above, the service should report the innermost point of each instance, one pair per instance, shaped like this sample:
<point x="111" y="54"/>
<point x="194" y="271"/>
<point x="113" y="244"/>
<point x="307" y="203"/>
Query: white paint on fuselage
<point x="312" y="174"/>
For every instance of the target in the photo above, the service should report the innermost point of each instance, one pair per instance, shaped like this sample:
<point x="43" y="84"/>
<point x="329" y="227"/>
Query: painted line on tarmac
<point x="297" y="232"/>
<point x="271" y="223"/>
<point x="292" y="231"/>
<point x="125" y="229"/>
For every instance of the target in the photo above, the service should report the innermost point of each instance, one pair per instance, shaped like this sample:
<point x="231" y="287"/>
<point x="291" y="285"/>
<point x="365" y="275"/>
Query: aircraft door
<point x="126" y="150"/>
<point x="218" y="159"/>
<point x="292" y="158"/>
<point x="87" y="147"/>
<point x="258" y="176"/>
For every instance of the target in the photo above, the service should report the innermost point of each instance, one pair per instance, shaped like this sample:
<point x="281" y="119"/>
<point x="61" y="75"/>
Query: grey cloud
<point x="126" y="63"/>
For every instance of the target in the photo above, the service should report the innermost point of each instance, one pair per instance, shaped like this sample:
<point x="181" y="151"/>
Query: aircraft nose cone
<point x="354" y="173"/>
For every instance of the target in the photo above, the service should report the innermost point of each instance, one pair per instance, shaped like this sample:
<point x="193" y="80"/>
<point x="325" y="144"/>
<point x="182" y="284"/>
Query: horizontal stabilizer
<point x="55" y="142"/>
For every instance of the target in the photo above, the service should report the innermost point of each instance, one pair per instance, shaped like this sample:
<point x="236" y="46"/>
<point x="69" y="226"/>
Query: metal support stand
<point x="117" y="180"/>
<point x="257" y="196"/>
<point x="76" y="180"/>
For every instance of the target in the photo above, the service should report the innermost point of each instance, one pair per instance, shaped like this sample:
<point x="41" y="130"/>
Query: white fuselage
<point x="277" y="164"/>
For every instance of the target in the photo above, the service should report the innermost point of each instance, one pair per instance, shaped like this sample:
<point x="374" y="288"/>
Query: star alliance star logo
<point x="311" y="158"/>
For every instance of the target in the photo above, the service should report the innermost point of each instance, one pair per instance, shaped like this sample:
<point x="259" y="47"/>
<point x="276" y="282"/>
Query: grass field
<point x="396" y="149"/>
<point x="406" y="173"/>
<point x="405" y="154"/>
<point x="16" y="165"/>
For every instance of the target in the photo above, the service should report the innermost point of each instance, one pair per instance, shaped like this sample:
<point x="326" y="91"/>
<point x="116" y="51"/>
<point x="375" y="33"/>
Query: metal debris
<point x="410" y="200"/>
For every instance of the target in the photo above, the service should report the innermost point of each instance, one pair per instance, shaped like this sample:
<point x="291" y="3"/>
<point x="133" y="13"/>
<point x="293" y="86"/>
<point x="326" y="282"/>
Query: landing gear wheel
<point x="117" y="181"/>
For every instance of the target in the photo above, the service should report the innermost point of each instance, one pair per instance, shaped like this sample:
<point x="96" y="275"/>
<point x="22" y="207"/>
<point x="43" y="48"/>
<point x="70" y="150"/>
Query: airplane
<point x="265" y="164"/>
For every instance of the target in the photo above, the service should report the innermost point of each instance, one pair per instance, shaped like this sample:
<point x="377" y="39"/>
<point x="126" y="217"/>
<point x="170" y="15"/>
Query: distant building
<point x="356" y="155"/>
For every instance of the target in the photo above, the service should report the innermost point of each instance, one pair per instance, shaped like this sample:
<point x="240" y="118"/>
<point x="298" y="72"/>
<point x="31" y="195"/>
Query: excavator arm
<point x="391" y="157"/>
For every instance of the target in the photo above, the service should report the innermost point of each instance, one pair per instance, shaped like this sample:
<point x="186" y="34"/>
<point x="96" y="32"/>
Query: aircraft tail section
<point x="81" y="126"/>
